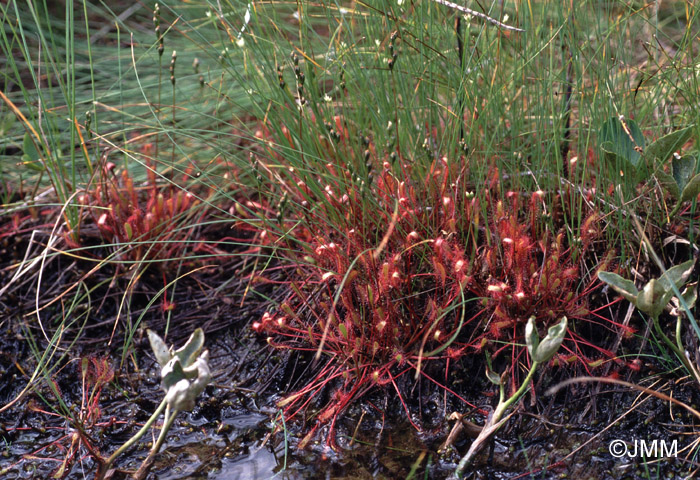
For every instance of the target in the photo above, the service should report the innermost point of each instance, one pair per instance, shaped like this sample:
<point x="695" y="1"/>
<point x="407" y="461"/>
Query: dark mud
<point x="58" y="428"/>
<point x="234" y="431"/>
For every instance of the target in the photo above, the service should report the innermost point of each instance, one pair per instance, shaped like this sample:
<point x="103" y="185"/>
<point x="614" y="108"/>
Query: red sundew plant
<point x="387" y="269"/>
<point x="149" y="219"/>
<point x="526" y="271"/>
<point x="77" y="442"/>
<point x="382" y="294"/>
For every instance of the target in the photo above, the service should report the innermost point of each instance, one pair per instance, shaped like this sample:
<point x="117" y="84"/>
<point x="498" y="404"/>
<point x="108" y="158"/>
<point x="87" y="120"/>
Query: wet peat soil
<point x="231" y="433"/>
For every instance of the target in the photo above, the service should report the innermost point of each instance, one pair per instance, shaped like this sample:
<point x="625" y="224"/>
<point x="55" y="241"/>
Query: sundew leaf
<point x="663" y="148"/>
<point x="621" y="285"/>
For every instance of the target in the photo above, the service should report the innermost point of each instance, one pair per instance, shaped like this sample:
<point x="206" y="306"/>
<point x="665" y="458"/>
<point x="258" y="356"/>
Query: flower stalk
<point x="540" y="353"/>
<point x="185" y="373"/>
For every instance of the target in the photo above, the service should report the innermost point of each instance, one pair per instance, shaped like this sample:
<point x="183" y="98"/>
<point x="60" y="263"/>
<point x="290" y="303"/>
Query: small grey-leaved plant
<point x="657" y="293"/>
<point x="184" y="372"/>
<point x="543" y="351"/>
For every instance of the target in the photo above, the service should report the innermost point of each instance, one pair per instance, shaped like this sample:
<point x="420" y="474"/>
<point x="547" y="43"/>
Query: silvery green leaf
<point x="551" y="343"/>
<point x="195" y="370"/>
<point x="189" y="352"/>
<point x="663" y="148"/>
<point x="668" y="183"/>
<point x="182" y="394"/>
<point x="691" y="190"/>
<point x="490" y="374"/>
<point x="658" y="292"/>
<point x="609" y="156"/>
<point x="493" y="376"/>
<point x="531" y="338"/>
<point x="683" y="169"/>
<point x="184" y="373"/>
<point x="179" y="396"/>
<point x="203" y="374"/>
<point x="677" y="275"/>
<point x="621" y="143"/>
<point x="31" y="155"/>
<point x="160" y="350"/>
<point x="172" y="373"/>
<point x="621" y="285"/>
<point x="690" y="295"/>
<point x="650" y="299"/>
